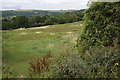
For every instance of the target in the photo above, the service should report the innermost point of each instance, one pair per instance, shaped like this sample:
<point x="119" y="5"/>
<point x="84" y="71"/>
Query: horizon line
<point x="39" y="9"/>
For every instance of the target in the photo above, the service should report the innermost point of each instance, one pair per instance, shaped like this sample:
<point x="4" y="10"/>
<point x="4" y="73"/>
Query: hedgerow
<point x="102" y="21"/>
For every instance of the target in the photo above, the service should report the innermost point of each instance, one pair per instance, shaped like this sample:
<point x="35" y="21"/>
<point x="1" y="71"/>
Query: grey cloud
<point x="9" y="5"/>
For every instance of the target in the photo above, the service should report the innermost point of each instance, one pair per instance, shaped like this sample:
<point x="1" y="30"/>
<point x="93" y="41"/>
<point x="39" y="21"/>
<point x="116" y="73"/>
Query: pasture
<point x="22" y="45"/>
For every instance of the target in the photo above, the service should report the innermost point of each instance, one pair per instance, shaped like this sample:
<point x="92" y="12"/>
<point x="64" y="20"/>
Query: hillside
<point x="29" y="13"/>
<point x="32" y="13"/>
<point x="34" y="18"/>
<point x="22" y="45"/>
<point x="66" y="44"/>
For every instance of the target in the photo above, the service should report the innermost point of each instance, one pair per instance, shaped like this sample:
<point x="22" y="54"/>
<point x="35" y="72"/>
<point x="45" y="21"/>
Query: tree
<point x="20" y="22"/>
<point x="6" y="24"/>
<point x="37" y="19"/>
<point x="48" y="22"/>
<point x="54" y="19"/>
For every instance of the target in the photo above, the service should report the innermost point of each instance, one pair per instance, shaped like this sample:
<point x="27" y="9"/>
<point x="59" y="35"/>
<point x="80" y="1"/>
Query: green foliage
<point x="20" y="22"/>
<point x="98" y="62"/>
<point x="68" y="65"/>
<point x="54" y="19"/>
<point x="102" y="62"/>
<point x="25" y="22"/>
<point x="29" y="13"/>
<point x="102" y="24"/>
<point x="36" y="19"/>
<point x="48" y="22"/>
<point x="6" y="24"/>
<point x="14" y="23"/>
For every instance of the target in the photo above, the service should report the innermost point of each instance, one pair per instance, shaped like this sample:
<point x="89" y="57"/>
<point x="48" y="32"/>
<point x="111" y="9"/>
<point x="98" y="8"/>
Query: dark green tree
<point x="20" y="22"/>
<point x="6" y="24"/>
<point x="37" y="19"/>
<point x="48" y="22"/>
<point x="54" y="19"/>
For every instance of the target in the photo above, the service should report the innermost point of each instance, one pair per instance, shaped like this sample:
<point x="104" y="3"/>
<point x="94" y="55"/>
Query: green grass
<point x="19" y="49"/>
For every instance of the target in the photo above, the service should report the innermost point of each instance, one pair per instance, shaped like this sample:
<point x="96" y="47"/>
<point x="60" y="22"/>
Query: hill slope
<point x="31" y="13"/>
<point x="20" y="46"/>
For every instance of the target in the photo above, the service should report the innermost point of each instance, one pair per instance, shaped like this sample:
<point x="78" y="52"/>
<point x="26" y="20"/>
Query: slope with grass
<point x="22" y="45"/>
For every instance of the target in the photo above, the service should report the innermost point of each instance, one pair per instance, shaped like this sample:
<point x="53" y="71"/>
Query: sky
<point x="43" y="4"/>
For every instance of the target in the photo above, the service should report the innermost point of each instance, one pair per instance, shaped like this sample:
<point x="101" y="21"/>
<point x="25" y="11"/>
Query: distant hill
<point x="80" y="10"/>
<point x="32" y="13"/>
<point x="28" y="13"/>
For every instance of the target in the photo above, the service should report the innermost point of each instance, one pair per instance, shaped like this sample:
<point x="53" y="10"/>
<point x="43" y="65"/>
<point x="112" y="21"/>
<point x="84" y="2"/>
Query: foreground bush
<point x="98" y="62"/>
<point x="39" y="66"/>
<point x="68" y="65"/>
<point x="102" y="62"/>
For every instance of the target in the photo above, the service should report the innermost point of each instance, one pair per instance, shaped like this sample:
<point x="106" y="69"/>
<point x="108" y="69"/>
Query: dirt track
<point x="42" y="27"/>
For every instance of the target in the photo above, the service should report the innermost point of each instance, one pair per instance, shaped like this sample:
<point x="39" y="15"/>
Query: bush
<point x="98" y="62"/>
<point x="102" y="24"/>
<point x="102" y="62"/>
<point x="39" y="66"/>
<point x="68" y="65"/>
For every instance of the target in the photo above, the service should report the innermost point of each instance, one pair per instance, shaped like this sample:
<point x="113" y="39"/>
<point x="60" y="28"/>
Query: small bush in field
<point x="38" y="66"/>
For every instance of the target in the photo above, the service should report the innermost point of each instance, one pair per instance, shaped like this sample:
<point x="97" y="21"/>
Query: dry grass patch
<point x="38" y="32"/>
<point x="43" y="27"/>
<point x="69" y="32"/>
<point x="23" y="33"/>
<point x="50" y="45"/>
<point x="52" y="33"/>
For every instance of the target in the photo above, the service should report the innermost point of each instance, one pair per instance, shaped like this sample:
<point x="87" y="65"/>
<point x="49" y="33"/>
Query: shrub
<point x="39" y="66"/>
<point x="102" y="24"/>
<point x="68" y="65"/>
<point x="98" y="62"/>
<point x="99" y="45"/>
<point x="102" y="62"/>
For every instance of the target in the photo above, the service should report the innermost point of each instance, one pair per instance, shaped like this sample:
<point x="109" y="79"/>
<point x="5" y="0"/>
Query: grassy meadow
<point x="63" y="47"/>
<point x="20" y="46"/>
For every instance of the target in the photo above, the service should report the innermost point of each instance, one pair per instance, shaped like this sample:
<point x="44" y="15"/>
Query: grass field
<point x="20" y="46"/>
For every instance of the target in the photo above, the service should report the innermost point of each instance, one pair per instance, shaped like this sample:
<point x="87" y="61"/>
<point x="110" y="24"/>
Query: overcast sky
<point x="43" y="4"/>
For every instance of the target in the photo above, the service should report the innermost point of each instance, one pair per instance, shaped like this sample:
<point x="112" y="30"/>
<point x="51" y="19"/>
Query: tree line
<point x="26" y="22"/>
